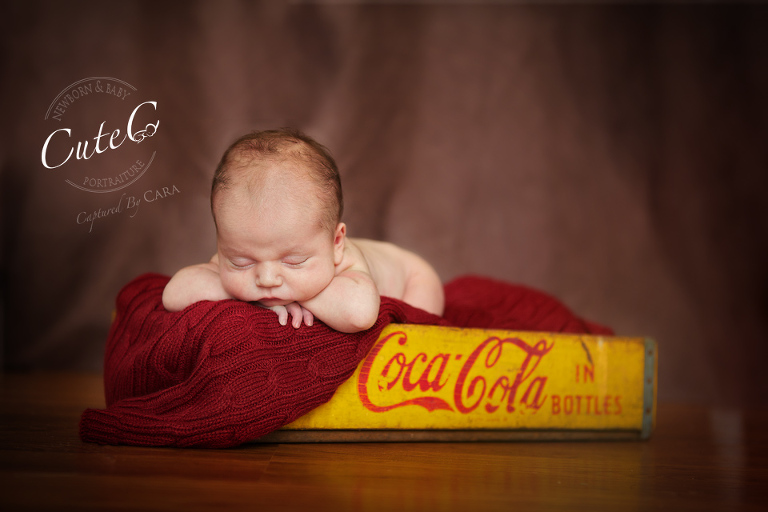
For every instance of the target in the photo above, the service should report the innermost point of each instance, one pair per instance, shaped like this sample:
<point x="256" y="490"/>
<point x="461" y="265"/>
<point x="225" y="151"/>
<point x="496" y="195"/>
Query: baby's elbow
<point x="171" y="300"/>
<point x="363" y="318"/>
<point x="176" y="295"/>
<point x="360" y="323"/>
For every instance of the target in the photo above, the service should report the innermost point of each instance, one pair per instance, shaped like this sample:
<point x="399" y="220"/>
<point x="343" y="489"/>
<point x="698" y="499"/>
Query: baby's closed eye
<point x="240" y="263"/>
<point x="295" y="261"/>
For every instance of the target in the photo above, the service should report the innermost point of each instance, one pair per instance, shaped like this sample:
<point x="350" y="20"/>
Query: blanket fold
<point x="219" y="374"/>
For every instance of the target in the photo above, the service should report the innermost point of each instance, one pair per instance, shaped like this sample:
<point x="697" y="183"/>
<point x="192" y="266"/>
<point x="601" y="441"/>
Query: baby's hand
<point x="297" y="312"/>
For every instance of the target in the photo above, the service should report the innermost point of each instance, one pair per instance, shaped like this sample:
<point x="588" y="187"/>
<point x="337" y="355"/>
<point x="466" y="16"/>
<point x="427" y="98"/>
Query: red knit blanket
<point x="219" y="374"/>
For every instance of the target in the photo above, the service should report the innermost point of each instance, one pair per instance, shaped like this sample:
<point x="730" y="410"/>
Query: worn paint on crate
<point x="427" y="377"/>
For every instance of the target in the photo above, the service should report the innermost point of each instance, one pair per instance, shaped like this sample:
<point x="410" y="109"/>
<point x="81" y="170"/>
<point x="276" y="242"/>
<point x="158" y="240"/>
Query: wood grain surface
<point x="698" y="459"/>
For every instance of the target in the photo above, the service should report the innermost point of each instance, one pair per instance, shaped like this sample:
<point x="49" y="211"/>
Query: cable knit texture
<point x="219" y="374"/>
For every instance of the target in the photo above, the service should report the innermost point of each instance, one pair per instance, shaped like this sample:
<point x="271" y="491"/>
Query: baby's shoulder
<point x="386" y="255"/>
<point x="375" y="249"/>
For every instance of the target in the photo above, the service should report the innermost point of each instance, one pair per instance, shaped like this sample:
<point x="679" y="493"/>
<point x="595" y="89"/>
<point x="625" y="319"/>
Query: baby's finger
<point x="296" y="314"/>
<point x="308" y="317"/>
<point x="282" y="314"/>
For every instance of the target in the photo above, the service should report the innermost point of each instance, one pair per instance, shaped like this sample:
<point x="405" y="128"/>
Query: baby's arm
<point x="425" y="290"/>
<point x="193" y="284"/>
<point x="350" y="303"/>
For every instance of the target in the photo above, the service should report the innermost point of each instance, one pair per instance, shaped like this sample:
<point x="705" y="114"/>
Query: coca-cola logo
<point x="497" y="375"/>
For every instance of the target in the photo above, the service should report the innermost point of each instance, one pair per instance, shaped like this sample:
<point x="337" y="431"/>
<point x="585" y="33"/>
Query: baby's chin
<point x="270" y="303"/>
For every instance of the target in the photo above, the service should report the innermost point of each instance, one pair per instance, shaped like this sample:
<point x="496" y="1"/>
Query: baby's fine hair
<point x="291" y="144"/>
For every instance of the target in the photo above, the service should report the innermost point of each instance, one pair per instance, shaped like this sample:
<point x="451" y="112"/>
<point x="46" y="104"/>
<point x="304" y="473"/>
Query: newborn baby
<point x="277" y="204"/>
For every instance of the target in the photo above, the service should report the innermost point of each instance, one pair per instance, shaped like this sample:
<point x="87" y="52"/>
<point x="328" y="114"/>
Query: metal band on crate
<point x="649" y="378"/>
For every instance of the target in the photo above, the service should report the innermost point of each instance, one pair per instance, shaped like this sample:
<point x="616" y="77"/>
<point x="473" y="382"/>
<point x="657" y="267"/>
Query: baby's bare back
<point x="399" y="273"/>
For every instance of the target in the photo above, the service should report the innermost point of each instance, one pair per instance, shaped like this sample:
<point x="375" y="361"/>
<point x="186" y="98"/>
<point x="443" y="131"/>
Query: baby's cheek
<point x="233" y="286"/>
<point x="324" y="278"/>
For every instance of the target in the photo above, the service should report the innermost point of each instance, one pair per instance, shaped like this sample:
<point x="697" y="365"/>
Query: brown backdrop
<point x="612" y="156"/>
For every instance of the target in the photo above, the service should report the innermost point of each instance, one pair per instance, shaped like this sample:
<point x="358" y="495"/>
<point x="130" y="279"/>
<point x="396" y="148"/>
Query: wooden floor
<point x="698" y="459"/>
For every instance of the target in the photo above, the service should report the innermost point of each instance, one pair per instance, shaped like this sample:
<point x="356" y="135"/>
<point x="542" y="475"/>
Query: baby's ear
<point x="339" y="238"/>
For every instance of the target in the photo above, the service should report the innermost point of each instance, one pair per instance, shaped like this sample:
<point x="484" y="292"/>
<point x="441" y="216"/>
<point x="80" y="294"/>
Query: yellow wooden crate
<point x="427" y="383"/>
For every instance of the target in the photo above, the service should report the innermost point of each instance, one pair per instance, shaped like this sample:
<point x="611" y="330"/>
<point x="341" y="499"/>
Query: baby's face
<point x="274" y="250"/>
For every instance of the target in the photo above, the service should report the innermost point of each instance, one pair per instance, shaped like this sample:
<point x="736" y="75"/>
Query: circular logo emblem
<point x="101" y="135"/>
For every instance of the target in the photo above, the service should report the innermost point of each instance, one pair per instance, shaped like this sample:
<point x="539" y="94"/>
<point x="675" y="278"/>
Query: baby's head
<point x="277" y="204"/>
<point x="288" y="152"/>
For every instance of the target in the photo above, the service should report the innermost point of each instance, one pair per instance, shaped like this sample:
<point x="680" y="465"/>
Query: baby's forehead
<point x="252" y="171"/>
<point x="276" y="188"/>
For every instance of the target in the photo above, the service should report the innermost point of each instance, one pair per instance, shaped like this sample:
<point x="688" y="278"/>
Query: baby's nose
<point x="268" y="276"/>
